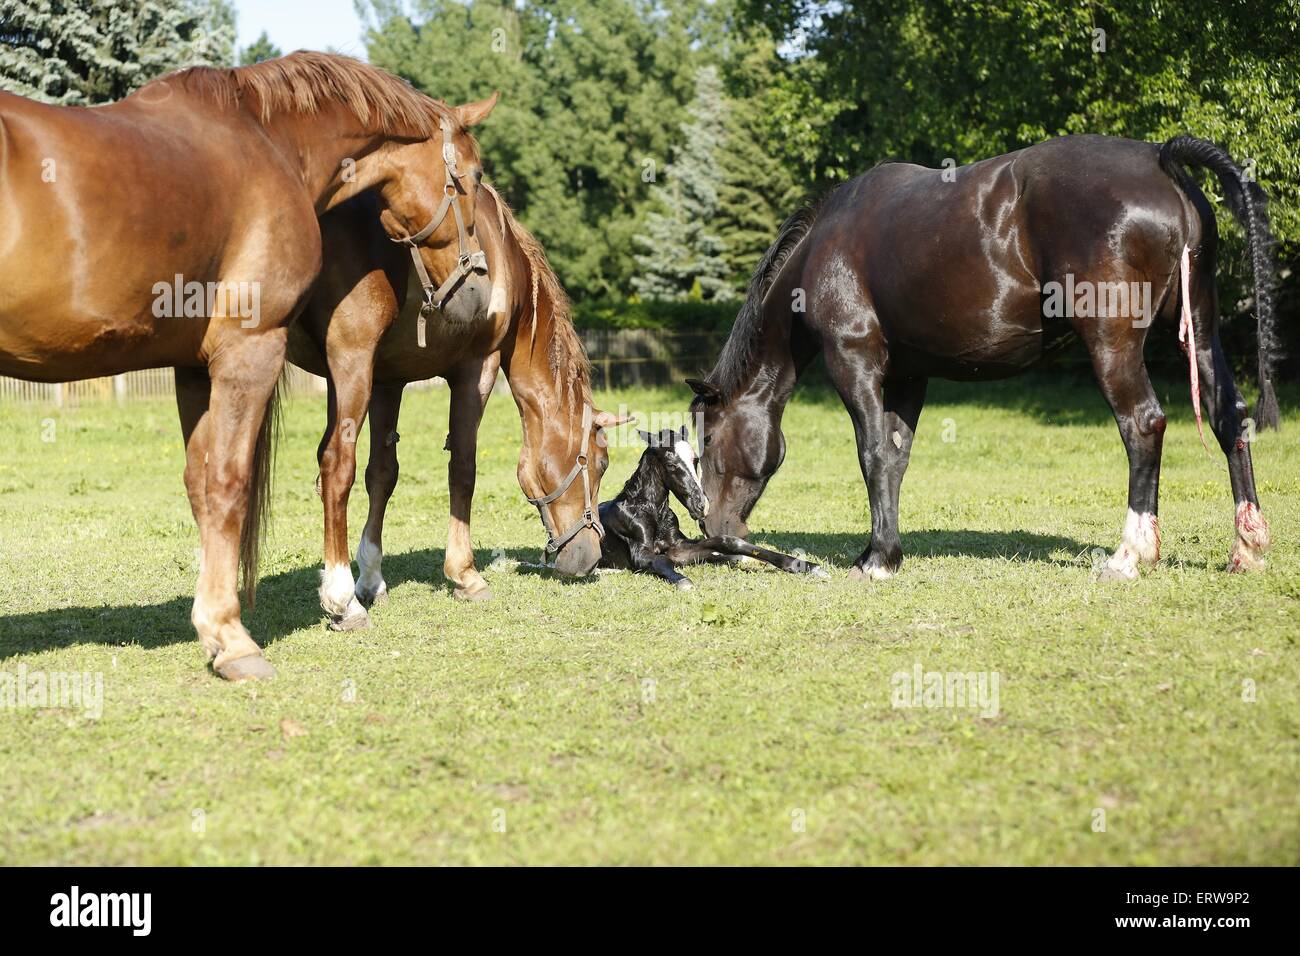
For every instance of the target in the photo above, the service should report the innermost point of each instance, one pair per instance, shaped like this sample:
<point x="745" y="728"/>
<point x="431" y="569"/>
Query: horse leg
<point x="381" y="479"/>
<point x="1122" y="375"/>
<point x="471" y="386"/>
<point x="854" y="366"/>
<point x="349" y="395"/>
<point x="727" y="546"/>
<point x="243" y="377"/>
<point x="1227" y="413"/>
<point x="193" y="389"/>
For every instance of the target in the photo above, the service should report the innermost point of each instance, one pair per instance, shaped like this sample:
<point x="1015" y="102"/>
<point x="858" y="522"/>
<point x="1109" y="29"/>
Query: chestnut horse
<point x="178" y="227"/>
<point x="361" y="330"/>
<point x="907" y="273"/>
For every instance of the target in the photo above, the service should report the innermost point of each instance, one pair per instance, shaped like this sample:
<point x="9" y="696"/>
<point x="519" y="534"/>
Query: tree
<point x="82" y="52"/>
<point x="260" y="49"/>
<point x="682" y="256"/>
<point x="760" y="182"/>
<point x="593" y="94"/>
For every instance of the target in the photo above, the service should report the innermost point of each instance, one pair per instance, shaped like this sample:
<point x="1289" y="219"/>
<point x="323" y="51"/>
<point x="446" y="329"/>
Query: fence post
<point x="119" y="388"/>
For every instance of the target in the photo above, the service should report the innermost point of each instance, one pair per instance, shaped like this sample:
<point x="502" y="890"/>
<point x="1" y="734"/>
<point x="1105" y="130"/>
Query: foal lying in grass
<point x="641" y="530"/>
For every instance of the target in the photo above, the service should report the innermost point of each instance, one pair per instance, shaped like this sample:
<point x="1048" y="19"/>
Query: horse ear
<point x="471" y="114"/>
<point x="646" y="437"/>
<point x="610" y="420"/>
<point x="704" y="390"/>
<point x="686" y="433"/>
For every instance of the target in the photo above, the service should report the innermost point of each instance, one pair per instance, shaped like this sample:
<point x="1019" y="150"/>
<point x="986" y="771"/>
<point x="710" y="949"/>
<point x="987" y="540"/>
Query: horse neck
<point x="648" y="485"/>
<point x="546" y="401"/>
<point x="781" y="353"/>
<point x="335" y="155"/>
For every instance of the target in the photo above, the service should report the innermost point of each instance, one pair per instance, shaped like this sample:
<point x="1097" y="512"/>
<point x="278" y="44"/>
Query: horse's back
<point x="953" y="262"/>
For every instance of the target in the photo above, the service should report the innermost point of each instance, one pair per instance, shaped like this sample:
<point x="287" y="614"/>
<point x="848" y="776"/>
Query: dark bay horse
<point x="361" y="330"/>
<point x="906" y="273"/>
<point x="178" y="227"/>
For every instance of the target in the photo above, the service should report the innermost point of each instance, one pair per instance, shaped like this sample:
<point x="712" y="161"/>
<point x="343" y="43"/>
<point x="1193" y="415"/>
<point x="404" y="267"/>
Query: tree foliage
<point x="82" y="52"/>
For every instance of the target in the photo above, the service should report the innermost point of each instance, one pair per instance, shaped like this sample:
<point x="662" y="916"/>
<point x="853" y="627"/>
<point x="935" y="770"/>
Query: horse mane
<point x="568" y="359"/>
<point x="738" y="352"/>
<point x="305" y="82"/>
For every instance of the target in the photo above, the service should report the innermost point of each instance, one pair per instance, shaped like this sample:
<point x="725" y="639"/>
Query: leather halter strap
<point x="435" y="297"/>
<point x="589" y="517"/>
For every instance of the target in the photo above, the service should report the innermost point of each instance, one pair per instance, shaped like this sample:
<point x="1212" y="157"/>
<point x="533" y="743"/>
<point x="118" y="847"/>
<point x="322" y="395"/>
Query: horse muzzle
<point x="580" y="554"/>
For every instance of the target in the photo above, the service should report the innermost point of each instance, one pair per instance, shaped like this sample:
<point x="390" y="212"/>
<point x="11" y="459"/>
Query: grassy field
<point x="618" y="721"/>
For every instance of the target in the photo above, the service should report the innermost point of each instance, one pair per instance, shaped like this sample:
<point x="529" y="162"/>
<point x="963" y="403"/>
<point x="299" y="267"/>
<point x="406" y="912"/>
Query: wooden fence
<point x="620" y="358"/>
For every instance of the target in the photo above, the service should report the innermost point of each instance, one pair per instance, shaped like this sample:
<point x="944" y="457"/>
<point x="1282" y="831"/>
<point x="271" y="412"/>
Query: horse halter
<point x="435" y="297"/>
<point x="589" y="518"/>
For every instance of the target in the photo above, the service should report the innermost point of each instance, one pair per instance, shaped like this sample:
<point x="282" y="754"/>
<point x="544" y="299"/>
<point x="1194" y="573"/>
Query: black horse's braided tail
<point x="1249" y="205"/>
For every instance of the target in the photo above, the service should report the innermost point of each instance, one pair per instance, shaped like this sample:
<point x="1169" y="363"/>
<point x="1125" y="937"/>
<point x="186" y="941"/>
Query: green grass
<point x="771" y="694"/>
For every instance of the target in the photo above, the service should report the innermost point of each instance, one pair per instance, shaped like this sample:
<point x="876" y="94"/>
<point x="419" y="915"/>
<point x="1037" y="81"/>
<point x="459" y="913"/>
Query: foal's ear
<point x="686" y="433"/>
<point x="704" y="390"/>
<point x="647" y="438"/>
<point x="610" y="420"/>
<point x="471" y="114"/>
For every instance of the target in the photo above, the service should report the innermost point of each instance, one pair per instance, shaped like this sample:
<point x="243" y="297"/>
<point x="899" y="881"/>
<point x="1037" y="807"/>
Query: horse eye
<point x="707" y="440"/>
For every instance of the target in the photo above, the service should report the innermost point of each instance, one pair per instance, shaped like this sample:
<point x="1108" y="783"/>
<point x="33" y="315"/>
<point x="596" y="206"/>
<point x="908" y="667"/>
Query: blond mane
<point x="307" y="82"/>
<point x="568" y="359"/>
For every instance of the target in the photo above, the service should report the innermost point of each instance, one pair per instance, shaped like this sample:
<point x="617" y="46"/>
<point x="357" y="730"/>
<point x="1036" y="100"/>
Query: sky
<point x="302" y="24"/>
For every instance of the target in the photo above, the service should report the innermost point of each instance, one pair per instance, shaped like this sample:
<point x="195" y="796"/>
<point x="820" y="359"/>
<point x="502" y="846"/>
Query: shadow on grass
<point x="843" y="549"/>
<point x="286" y="602"/>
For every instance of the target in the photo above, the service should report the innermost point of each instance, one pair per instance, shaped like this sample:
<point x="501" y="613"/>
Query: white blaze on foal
<point x="1141" y="545"/>
<point x="683" y="449"/>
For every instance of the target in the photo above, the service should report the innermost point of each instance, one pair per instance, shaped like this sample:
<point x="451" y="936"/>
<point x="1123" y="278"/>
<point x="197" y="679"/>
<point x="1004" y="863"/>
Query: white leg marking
<point x="1253" y="539"/>
<point x="370" y="580"/>
<point x="336" y="591"/>
<point x="1141" y="545"/>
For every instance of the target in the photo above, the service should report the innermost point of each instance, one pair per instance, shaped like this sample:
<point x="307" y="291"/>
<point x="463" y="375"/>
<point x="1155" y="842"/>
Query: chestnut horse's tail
<point x="1249" y="205"/>
<point x="259" y="492"/>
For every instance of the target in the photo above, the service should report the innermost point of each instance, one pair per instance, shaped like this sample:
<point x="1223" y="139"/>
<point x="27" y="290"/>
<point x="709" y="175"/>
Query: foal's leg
<point x="729" y="546"/>
<point x="349" y="396"/>
<point x="471" y="386"/>
<point x="1123" y="378"/>
<point x="1226" y="411"/>
<point x="381" y="479"/>
<point x="243" y="377"/>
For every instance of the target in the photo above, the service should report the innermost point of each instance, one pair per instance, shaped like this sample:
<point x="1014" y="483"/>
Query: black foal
<point x="641" y="530"/>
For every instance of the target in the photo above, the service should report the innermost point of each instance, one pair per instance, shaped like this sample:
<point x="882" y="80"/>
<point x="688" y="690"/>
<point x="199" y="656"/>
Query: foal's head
<point x="741" y="447"/>
<point x="674" y="455"/>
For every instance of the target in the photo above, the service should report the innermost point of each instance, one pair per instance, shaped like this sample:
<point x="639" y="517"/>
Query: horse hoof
<point x="818" y="572"/>
<point x="464" y="594"/>
<point x="376" y="599"/>
<point x="357" y="621"/>
<point x="684" y="584"/>
<point x="253" y="667"/>
<point x="874" y="573"/>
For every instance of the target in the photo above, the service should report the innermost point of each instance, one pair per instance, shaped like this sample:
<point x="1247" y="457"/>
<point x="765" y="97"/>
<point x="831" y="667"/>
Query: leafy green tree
<point x="260" y="49"/>
<point x="681" y="254"/>
<point x="758" y="161"/>
<point x="593" y="95"/>
<point x="82" y="52"/>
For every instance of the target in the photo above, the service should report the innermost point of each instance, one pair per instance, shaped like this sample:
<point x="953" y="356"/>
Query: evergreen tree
<point x="260" y="49"/>
<point x="83" y="52"/>
<point x="683" y="256"/>
<point x="759" y="187"/>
